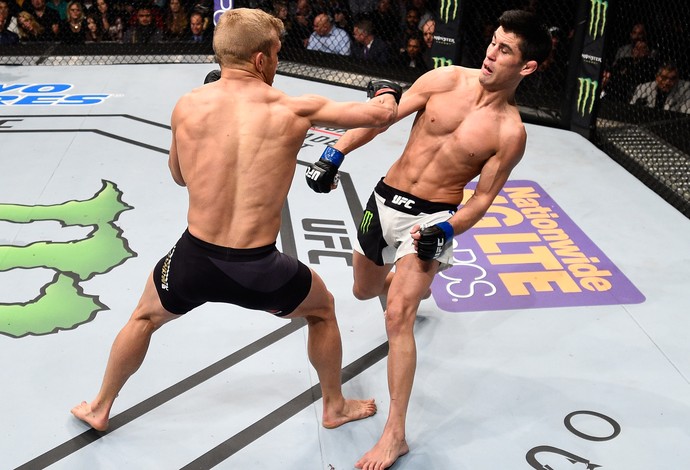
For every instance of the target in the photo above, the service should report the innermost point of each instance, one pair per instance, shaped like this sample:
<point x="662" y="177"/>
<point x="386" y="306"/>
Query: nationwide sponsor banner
<point x="527" y="253"/>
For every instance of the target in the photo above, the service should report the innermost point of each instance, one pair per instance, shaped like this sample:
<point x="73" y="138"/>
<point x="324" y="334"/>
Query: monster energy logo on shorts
<point x="448" y="10"/>
<point x="597" y="17"/>
<point x="587" y="95"/>
<point x="366" y="221"/>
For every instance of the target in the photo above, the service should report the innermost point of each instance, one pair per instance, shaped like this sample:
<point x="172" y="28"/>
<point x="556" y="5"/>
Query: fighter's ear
<point x="530" y="67"/>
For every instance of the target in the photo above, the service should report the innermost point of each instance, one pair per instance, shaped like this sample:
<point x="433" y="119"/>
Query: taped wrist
<point x="447" y="230"/>
<point x="333" y="156"/>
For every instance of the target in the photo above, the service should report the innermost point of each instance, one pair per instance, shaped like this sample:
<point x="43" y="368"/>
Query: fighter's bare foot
<point x="351" y="410"/>
<point x="84" y="412"/>
<point x="383" y="454"/>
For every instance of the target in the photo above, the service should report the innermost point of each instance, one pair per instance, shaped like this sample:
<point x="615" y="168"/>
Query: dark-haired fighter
<point x="234" y="146"/>
<point x="467" y="125"/>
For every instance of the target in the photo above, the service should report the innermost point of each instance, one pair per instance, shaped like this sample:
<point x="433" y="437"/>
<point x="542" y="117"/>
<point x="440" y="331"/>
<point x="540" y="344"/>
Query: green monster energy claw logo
<point x="62" y="303"/>
<point x="366" y="221"/>
<point x="448" y="10"/>
<point x="441" y="62"/>
<point x="597" y="17"/>
<point x="587" y="95"/>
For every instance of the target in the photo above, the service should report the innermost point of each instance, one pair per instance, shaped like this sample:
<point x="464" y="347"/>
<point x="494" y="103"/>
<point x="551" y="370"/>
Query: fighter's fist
<point x="322" y="176"/>
<point x="432" y="240"/>
<point x="384" y="87"/>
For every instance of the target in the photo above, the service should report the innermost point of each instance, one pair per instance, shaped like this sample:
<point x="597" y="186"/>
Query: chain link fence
<point x="348" y="42"/>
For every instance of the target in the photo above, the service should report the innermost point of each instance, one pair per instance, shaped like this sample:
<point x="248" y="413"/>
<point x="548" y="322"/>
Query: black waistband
<point x="247" y="254"/>
<point x="408" y="203"/>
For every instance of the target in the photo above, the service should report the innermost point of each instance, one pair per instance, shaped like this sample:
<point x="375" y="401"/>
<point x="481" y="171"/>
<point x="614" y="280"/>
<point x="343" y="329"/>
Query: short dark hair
<point x="536" y="39"/>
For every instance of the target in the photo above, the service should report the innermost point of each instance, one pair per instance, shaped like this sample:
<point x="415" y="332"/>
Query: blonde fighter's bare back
<point x="235" y="143"/>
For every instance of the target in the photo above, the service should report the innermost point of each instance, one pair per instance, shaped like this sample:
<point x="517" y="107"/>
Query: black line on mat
<point x="95" y="131"/>
<point x="272" y="420"/>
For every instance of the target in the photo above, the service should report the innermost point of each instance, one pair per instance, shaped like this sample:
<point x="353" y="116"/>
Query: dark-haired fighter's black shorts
<point x="196" y="272"/>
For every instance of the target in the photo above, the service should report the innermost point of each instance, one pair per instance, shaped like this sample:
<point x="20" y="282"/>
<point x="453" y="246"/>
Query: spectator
<point x="361" y="8"/>
<point x="110" y="21"/>
<point x="8" y="20"/>
<point x="94" y="30"/>
<point x="47" y="17"/>
<point x="637" y="33"/>
<point x="386" y="19"/>
<point x="340" y="13"/>
<point x="60" y="6"/>
<point x="327" y="37"/>
<point x="410" y="28"/>
<point x="628" y="72"/>
<point x="411" y="57"/>
<point x="428" y="31"/>
<point x="31" y="30"/>
<point x="198" y="30"/>
<point x="424" y="10"/>
<point x="367" y="46"/>
<point x="6" y="37"/>
<point x="666" y="92"/>
<point x="302" y="23"/>
<point x="73" y="30"/>
<point x="145" y="30"/>
<point x="176" y="21"/>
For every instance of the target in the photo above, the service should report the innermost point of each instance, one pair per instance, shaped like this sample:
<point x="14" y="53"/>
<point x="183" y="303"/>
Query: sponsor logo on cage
<point x="597" y="17"/>
<point x="45" y="94"/>
<point x="442" y="62"/>
<point x="527" y="253"/>
<point x="587" y="95"/>
<point x="448" y="10"/>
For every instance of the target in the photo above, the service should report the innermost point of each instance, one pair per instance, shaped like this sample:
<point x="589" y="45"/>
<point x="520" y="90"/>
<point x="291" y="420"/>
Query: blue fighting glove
<point x="433" y="239"/>
<point x="322" y="176"/>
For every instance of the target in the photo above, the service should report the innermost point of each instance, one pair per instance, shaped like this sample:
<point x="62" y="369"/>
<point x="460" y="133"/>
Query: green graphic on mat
<point x="62" y="303"/>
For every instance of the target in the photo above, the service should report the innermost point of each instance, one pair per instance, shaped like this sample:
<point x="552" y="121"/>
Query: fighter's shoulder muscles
<point x="435" y="81"/>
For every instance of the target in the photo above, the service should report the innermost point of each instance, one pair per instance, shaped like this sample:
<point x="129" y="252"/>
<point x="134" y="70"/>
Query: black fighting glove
<point x="433" y="239"/>
<point x="384" y="87"/>
<point x="212" y="76"/>
<point x="322" y="176"/>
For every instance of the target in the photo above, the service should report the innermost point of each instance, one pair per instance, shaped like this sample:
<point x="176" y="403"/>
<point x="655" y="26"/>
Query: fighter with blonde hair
<point x="234" y="147"/>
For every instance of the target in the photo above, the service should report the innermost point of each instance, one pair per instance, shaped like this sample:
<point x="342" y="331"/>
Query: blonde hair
<point x="242" y="32"/>
<point x="37" y="28"/>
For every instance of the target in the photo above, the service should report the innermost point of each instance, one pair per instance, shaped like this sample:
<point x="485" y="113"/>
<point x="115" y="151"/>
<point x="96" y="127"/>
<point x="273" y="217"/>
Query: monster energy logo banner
<point x="448" y="10"/>
<point x="62" y="303"/>
<point x="586" y="95"/>
<point x="597" y="18"/>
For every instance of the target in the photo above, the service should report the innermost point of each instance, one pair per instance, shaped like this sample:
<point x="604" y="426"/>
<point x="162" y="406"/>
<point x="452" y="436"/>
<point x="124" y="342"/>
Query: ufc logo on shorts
<point x="313" y="174"/>
<point x="402" y="201"/>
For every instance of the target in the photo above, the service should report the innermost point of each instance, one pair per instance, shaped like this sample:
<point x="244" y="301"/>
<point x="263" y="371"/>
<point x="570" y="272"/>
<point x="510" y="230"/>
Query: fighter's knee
<point x="362" y="292"/>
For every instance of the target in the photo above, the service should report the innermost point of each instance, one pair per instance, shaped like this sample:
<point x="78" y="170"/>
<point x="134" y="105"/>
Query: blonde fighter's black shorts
<point x="195" y="272"/>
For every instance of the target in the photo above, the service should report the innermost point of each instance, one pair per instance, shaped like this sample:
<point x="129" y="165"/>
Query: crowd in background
<point x="398" y="33"/>
<point x="91" y="21"/>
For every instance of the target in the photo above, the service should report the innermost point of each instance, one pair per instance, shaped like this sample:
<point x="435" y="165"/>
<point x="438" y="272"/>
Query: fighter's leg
<point x="370" y="279"/>
<point x="126" y="356"/>
<point x="325" y="354"/>
<point x="409" y="285"/>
